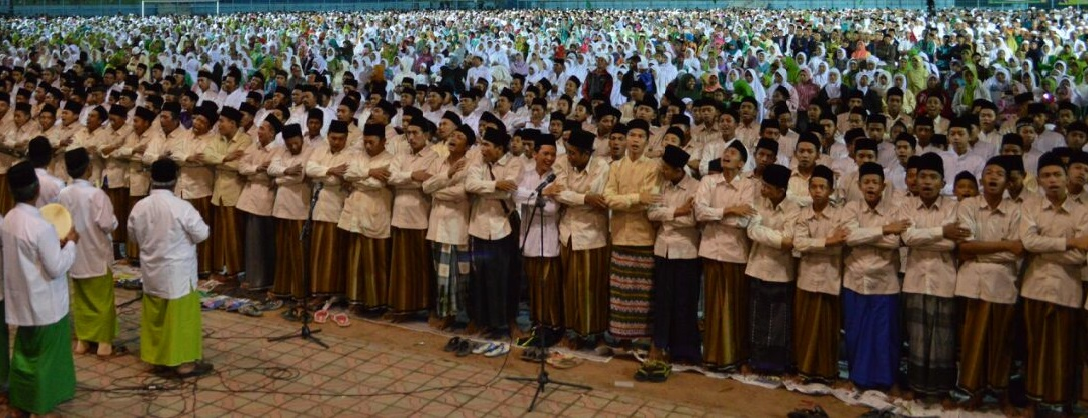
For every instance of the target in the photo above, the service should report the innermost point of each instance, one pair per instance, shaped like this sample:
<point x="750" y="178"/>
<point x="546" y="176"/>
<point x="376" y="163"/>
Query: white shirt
<point x="35" y="268"/>
<point x="167" y="230"/>
<point x="49" y="187"/>
<point x="93" y="219"/>
<point x="531" y="217"/>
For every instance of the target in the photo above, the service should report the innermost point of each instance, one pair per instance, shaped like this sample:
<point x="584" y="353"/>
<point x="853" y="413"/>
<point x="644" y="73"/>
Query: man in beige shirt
<point x="189" y="148"/>
<point x="1053" y="229"/>
<point x="411" y="281"/>
<point x="228" y="226"/>
<point x="327" y="167"/>
<point x="290" y="209"/>
<point x="725" y="205"/>
<point x="871" y="298"/>
<point x="819" y="236"/>
<point x="366" y="218"/>
<point x="133" y="159"/>
<point x="583" y="238"/>
<point x="771" y="273"/>
<point x="256" y="201"/>
<point x="987" y="279"/>
<point x="930" y="282"/>
<point x="676" y="269"/>
<point x="632" y="186"/>
<point x="495" y="265"/>
<point x="448" y="227"/>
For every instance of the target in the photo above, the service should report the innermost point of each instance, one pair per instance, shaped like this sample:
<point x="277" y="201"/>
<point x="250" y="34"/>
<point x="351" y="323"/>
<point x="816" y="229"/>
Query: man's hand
<point x="506" y="186"/>
<point x="685" y="209"/>
<point x="837" y="237"/>
<point x="293" y="170"/>
<point x="420" y="176"/>
<point x="955" y="232"/>
<point x="647" y="198"/>
<point x="897" y="227"/>
<point x="234" y="155"/>
<point x="72" y="236"/>
<point x="739" y="210"/>
<point x="597" y="200"/>
<point x="195" y="158"/>
<point x="338" y="171"/>
<point x="457" y="166"/>
<point x="553" y="190"/>
<point x="382" y="174"/>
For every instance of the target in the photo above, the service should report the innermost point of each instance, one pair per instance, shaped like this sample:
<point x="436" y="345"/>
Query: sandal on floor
<point x="291" y="315"/>
<point x="483" y="348"/>
<point x="234" y="305"/>
<point x="653" y="371"/>
<point x="531" y="354"/>
<point x="322" y="315"/>
<point x="250" y="310"/>
<point x="501" y="350"/>
<point x="341" y="319"/>
<point x="563" y="361"/>
<point x="207" y="286"/>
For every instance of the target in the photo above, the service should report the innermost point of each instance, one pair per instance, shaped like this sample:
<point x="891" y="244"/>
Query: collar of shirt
<point x="881" y="208"/>
<point x="1066" y="207"/>
<point x="936" y="203"/>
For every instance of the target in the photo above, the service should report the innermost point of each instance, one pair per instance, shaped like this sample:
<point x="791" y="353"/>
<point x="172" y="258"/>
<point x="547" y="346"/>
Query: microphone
<point x="547" y="180"/>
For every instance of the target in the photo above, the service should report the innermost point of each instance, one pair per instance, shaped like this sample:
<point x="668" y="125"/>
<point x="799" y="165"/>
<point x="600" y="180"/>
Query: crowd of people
<point x="732" y="186"/>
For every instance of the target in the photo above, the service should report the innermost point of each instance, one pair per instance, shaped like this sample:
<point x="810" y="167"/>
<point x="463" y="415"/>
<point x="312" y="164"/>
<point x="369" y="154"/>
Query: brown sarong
<point x="411" y="277"/>
<point x="119" y="200"/>
<point x="6" y="200"/>
<point x="1051" y="361"/>
<point x="289" y="266"/>
<point x="327" y="259"/>
<point x="585" y="289"/>
<point x="229" y="233"/>
<point x="204" y="256"/>
<point x="986" y="346"/>
<point x="545" y="290"/>
<point x="367" y="270"/>
<point x="816" y="325"/>
<point x="725" y="340"/>
<point x="132" y="248"/>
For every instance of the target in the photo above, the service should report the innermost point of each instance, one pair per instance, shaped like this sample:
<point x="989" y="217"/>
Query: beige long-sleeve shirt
<point x="228" y="183"/>
<point x="368" y="210"/>
<point x="627" y="179"/>
<point x="195" y="179"/>
<point x="259" y="193"/>
<point x="1053" y="272"/>
<point x="330" y="201"/>
<point x="872" y="266"/>
<point x="772" y="224"/>
<point x="724" y="238"/>
<point x="582" y="226"/>
<point x="293" y="191"/>
<point x="930" y="265"/>
<point x="677" y="236"/>
<point x="450" y="204"/>
<point x="115" y="172"/>
<point x="411" y="207"/>
<point x="990" y="277"/>
<point x="492" y="208"/>
<point x="820" y="269"/>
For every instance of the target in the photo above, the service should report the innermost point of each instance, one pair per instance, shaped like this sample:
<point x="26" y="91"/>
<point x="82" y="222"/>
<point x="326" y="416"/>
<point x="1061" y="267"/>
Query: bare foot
<point x="81" y="347"/>
<point x="746" y="370"/>
<point x="105" y="349"/>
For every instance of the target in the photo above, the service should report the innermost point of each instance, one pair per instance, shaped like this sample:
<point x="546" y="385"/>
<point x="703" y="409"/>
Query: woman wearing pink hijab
<point x="860" y="53"/>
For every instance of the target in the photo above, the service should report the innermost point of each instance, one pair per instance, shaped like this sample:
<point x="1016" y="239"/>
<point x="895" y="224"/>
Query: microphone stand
<point x="307" y="229"/>
<point x="541" y="379"/>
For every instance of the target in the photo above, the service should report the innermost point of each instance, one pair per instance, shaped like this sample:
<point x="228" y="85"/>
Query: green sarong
<point x="170" y="333"/>
<point x="93" y="309"/>
<point x="43" y="372"/>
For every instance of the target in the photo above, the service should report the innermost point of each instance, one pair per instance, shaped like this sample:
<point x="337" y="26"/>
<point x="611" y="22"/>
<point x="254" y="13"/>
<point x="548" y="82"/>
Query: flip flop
<point x="464" y="348"/>
<point x="207" y="286"/>
<point x="271" y="305"/>
<point x="563" y="361"/>
<point x="502" y="349"/>
<point x="234" y="305"/>
<point x="322" y="315"/>
<point x="341" y="319"/>
<point x="214" y="302"/>
<point x="483" y="348"/>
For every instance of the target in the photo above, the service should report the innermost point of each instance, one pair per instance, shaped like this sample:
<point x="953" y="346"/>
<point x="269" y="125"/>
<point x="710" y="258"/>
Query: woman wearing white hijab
<point x="832" y="92"/>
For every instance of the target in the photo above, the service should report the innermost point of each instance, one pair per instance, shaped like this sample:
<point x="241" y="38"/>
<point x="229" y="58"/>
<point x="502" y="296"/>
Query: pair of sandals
<point x="222" y="302"/>
<point x="653" y="371"/>
<point x="323" y="315"/>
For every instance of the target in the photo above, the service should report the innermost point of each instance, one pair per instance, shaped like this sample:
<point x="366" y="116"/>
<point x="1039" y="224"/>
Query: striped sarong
<point x="452" y="264"/>
<point x="630" y="292"/>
